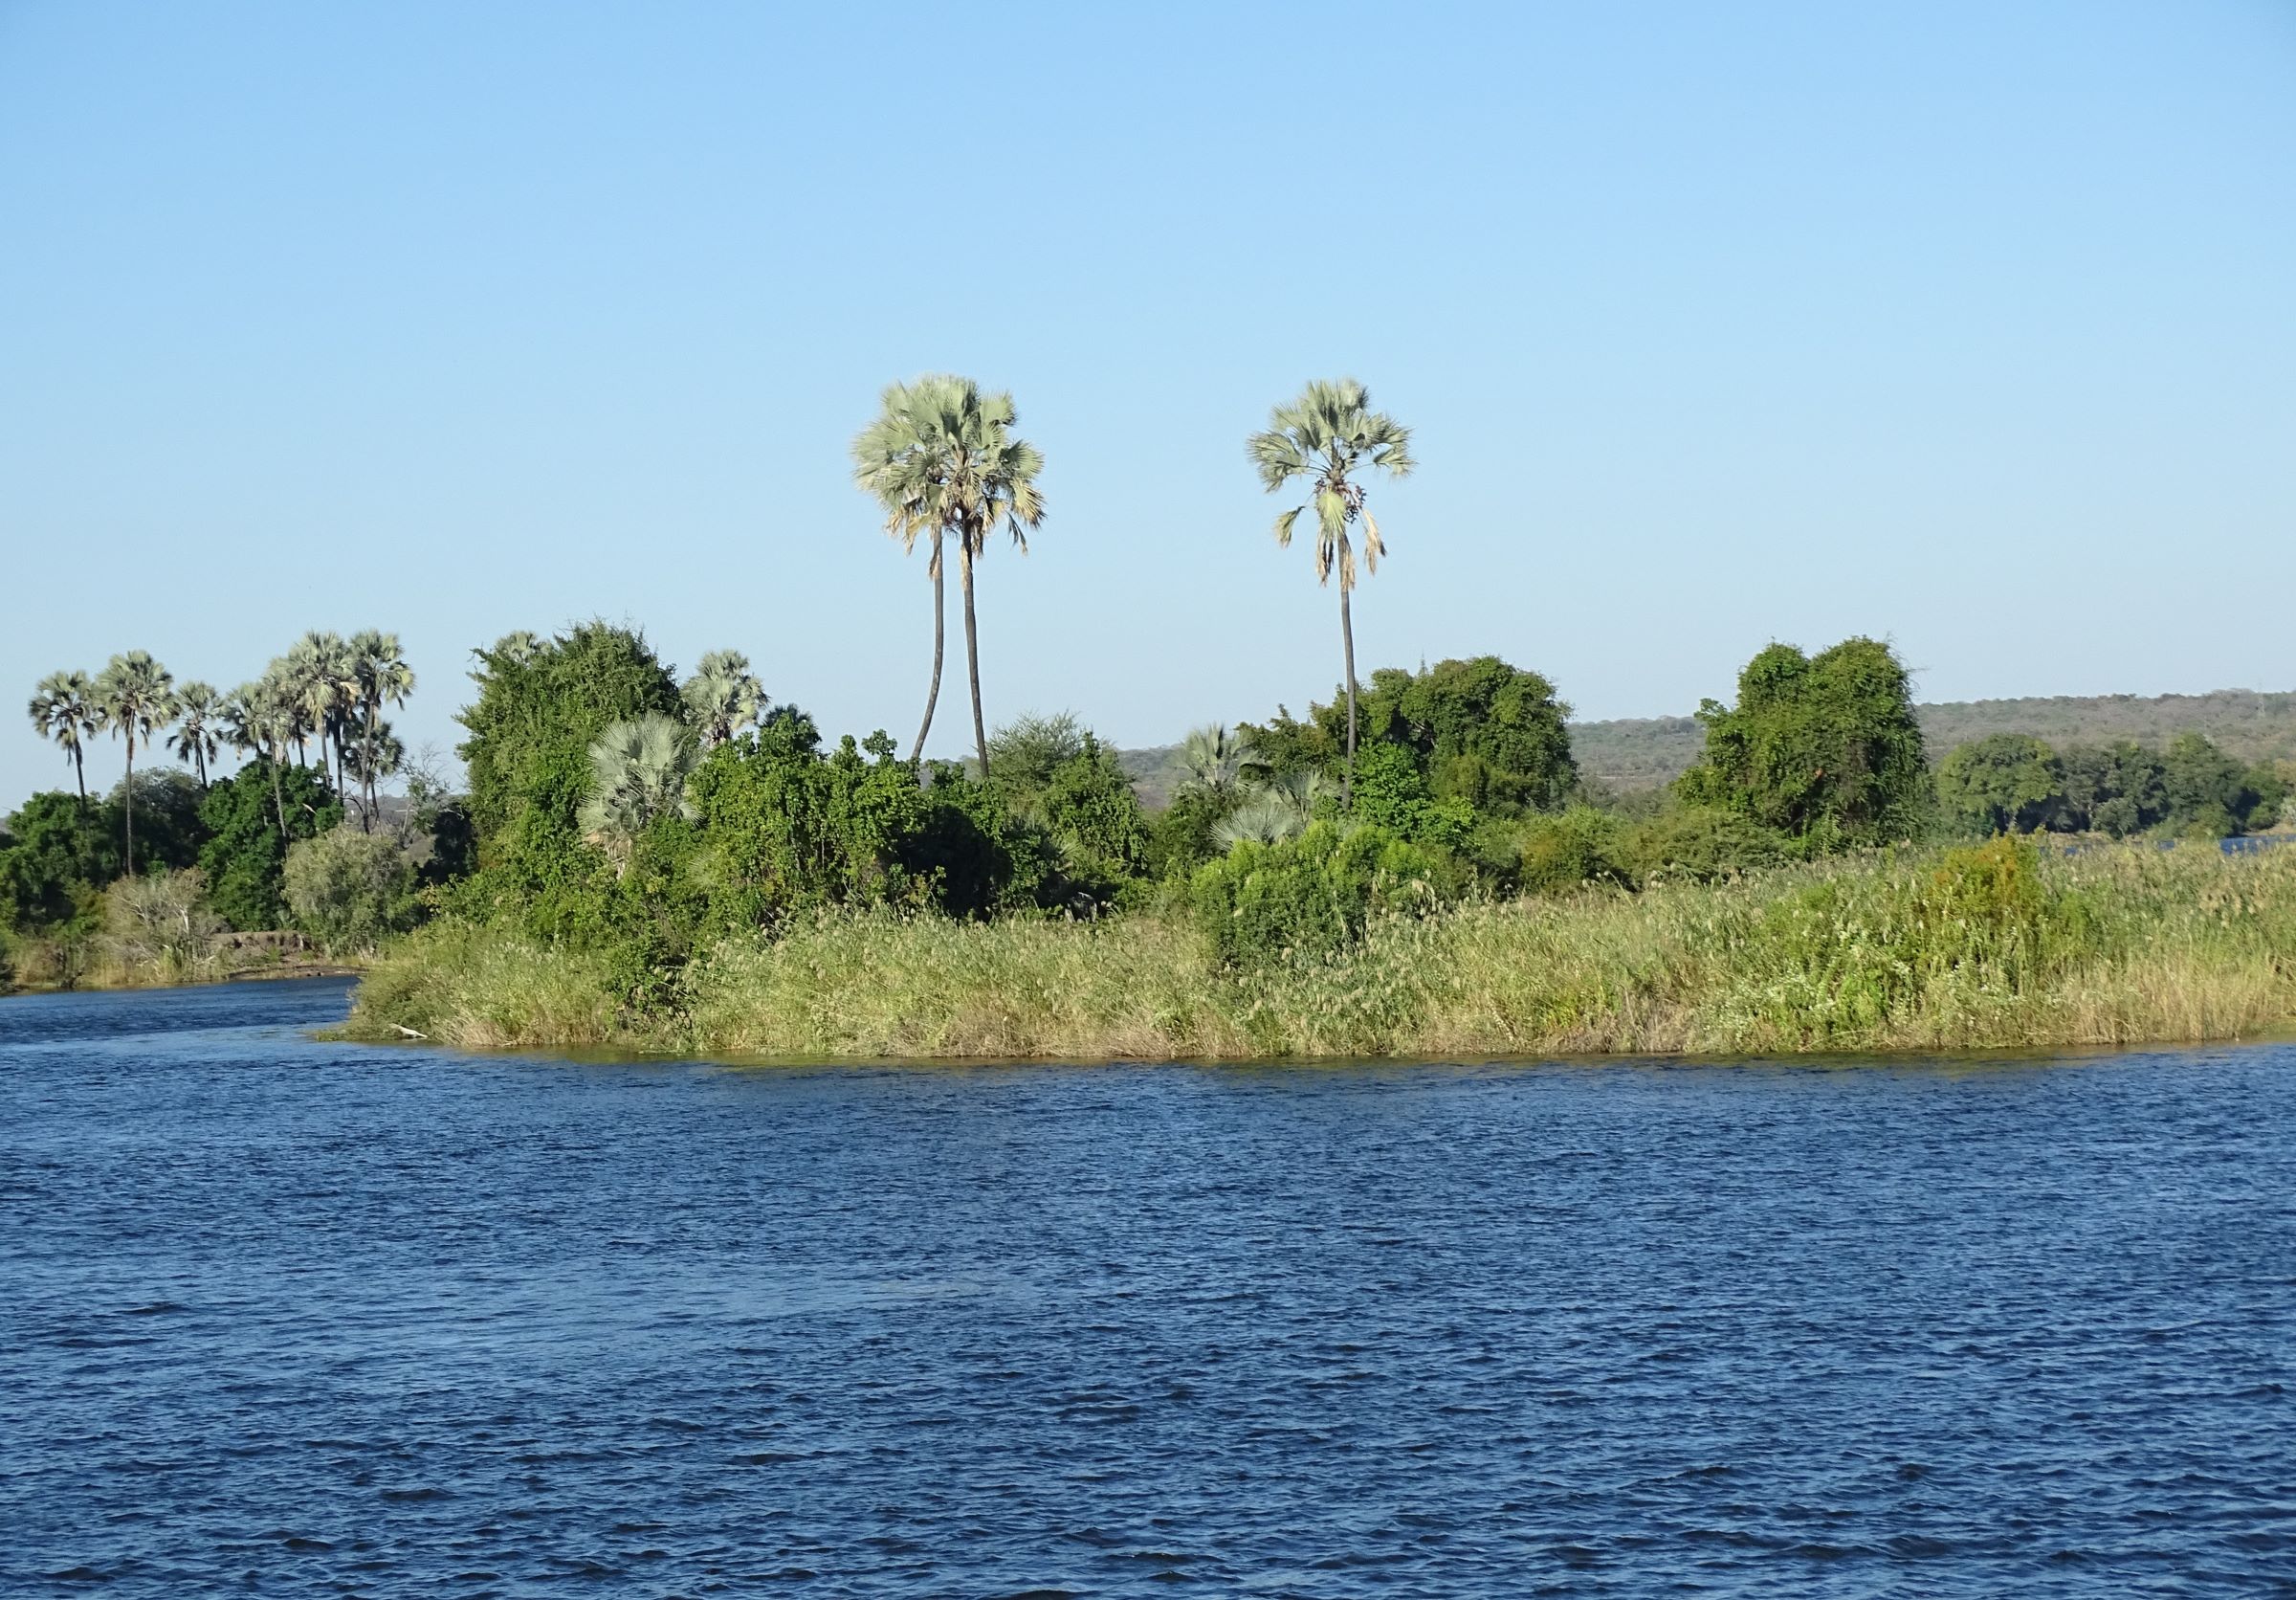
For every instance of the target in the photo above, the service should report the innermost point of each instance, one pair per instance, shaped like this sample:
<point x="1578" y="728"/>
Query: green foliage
<point x="56" y="857"/>
<point x="1572" y="848"/>
<point x="1184" y="835"/>
<point x="1702" y="844"/>
<point x="2211" y="795"/>
<point x="2008" y="783"/>
<point x="1094" y="819"/>
<point x="1306" y="899"/>
<point x="540" y="706"/>
<point x="1490" y="736"/>
<point x="1822" y="748"/>
<point x="349" y="889"/>
<point x="245" y="857"/>
<point x="2120" y="790"/>
<point x="1845" y="958"/>
<point x="1392" y="791"/>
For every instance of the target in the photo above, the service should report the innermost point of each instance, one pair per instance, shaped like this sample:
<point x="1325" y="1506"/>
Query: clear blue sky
<point x="1970" y="325"/>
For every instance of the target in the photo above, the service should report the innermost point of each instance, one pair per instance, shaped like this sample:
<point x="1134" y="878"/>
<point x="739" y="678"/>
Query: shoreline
<point x="1885" y="955"/>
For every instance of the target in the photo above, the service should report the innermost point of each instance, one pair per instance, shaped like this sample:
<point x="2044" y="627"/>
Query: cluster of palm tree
<point x="324" y="689"/>
<point x="1266" y="811"/>
<point x="327" y="691"/>
<point x="639" y="767"/>
<point x="132" y="699"/>
<point x="942" y="461"/>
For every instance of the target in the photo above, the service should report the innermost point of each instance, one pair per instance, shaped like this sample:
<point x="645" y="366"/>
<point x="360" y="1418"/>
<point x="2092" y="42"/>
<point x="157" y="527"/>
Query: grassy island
<point x="1417" y="866"/>
<point x="1989" y="946"/>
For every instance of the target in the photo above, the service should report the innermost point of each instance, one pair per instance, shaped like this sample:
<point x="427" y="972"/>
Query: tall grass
<point x="1993" y="947"/>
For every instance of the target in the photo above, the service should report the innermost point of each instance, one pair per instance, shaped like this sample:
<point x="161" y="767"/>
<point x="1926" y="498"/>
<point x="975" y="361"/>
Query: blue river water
<point x="293" y="1319"/>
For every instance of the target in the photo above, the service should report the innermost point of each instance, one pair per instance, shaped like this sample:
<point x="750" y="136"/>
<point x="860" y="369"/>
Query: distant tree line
<point x="2015" y="783"/>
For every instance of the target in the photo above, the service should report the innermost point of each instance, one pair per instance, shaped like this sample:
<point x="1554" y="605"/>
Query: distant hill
<point x="1645" y="752"/>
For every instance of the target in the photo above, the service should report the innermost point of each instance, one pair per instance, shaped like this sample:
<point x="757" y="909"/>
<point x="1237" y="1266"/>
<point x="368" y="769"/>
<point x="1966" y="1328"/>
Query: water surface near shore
<point x="310" y="1318"/>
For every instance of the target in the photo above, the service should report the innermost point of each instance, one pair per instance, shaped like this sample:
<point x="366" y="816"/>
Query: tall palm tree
<point x="63" y="708"/>
<point x="1331" y="436"/>
<point x="136" y="697"/>
<point x="380" y="676"/>
<point x="723" y="698"/>
<point x="197" y="739"/>
<point x="940" y="458"/>
<point x="638" y="771"/>
<point x="326" y="685"/>
<point x="260" y="719"/>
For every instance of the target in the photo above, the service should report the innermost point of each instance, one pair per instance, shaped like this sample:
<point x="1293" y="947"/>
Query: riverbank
<point x="50" y="965"/>
<point x="1970" y="949"/>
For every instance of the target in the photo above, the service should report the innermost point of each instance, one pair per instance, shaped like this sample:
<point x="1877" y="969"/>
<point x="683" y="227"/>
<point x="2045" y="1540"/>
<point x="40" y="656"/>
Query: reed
<point x="1984" y="948"/>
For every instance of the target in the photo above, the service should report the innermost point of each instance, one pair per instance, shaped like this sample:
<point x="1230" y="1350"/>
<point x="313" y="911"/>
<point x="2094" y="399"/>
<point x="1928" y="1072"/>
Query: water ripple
<point x="306" y="1320"/>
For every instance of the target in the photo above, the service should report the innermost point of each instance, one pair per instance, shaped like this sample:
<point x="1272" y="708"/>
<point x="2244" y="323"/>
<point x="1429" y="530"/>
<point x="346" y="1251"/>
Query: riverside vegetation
<point x="1416" y="866"/>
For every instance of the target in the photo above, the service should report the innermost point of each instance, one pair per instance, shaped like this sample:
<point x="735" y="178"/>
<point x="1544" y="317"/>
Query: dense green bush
<point x="1489" y="736"/>
<point x="1309" y="897"/>
<point x="1823" y="749"/>
<point x="1701" y="844"/>
<point x="1574" y="847"/>
<point x="244" y="859"/>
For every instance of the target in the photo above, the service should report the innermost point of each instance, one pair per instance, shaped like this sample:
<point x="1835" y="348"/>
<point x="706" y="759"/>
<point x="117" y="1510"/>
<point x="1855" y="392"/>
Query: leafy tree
<point x="1093" y="819"/>
<point x="1699" y="844"/>
<point x="723" y="698"/>
<point x="244" y="858"/>
<point x="1479" y="731"/>
<point x="65" y="708"/>
<point x="1577" y="846"/>
<point x="136" y="697"/>
<point x="2209" y="793"/>
<point x="57" y="852"/>
<point x="940" y="458"/>
<point x="528" y="757"/>
<point x="168" y="807"/>
<point x="1822" y="748"/>
<point x="2006" y="782"/>
<point x="1392" y="793"/>
<point x="349" y="889"/>
<point x="2118" y="790"/>
<point x="1028" y="751"/>
<point x="198" y="739"/>
<point x="1329" y="437"/>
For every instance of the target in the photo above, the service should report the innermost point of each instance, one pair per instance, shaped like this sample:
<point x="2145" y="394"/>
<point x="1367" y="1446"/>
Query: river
<point x="299" y="1318"/>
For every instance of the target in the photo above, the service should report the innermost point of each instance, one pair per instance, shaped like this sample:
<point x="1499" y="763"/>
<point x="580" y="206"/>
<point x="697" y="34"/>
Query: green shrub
<point x="1574" y="847"/>
<point x="1700" y="844"/>
<point x="1309" y="897"/>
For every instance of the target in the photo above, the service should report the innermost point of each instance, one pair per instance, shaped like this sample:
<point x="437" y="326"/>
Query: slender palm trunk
<point x="127" y="794"/>
<point x="279" y="796"/>
<point x="940" y="628"/>
<point x="972" y="656"/>
<point x="79" y="775"/>
<point x="367" y="770"/>
<point x="199" y="758"/>
<point x="1347" y="644"/>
